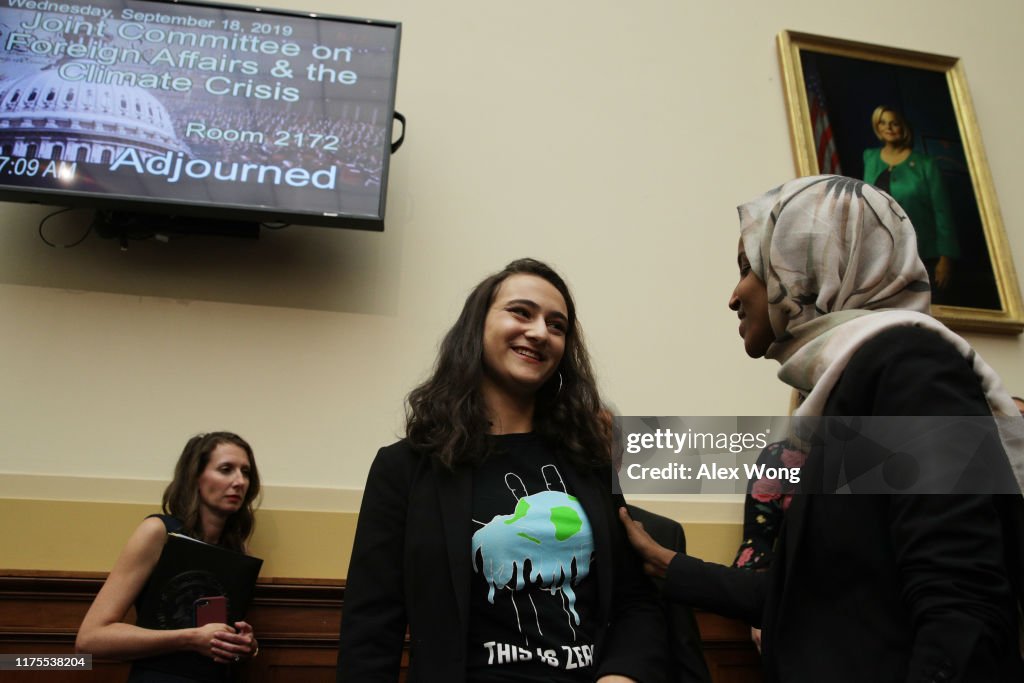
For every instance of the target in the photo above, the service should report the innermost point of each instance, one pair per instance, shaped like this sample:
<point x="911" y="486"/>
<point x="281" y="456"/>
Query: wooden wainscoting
<point x="296" y="620"/>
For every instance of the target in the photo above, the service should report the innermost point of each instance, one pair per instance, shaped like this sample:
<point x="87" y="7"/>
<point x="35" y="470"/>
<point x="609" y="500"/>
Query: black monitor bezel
<point x="224" y="210"/>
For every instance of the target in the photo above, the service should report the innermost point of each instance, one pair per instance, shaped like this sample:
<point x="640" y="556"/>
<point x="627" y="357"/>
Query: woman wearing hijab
<point x="866" y="587"/>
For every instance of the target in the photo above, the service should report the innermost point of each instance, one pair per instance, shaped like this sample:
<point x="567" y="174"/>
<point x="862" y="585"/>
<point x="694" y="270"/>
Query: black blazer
<point x="685" y="649"/>
<point x="884" y="588"/>
<point x="411" y="566"/>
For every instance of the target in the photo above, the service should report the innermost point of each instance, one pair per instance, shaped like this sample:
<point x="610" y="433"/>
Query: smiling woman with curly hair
<point x="489" y="532"/>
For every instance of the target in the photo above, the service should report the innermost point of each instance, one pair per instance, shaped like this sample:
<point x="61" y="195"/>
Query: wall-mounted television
<point x="166" y="108"/>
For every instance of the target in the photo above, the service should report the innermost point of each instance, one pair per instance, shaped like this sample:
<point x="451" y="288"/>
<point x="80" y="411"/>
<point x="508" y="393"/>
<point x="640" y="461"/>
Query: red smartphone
<point x="210" y="610"/>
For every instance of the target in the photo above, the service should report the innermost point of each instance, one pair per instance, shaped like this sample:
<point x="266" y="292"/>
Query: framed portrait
<point x="903" y="121"/>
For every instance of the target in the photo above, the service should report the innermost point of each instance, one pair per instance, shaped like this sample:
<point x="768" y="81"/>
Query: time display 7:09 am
<point x="42" y="168"/>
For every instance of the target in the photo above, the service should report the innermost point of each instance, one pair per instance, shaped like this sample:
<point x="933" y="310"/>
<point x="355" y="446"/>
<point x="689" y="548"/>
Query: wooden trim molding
<point x="297" y="622"/>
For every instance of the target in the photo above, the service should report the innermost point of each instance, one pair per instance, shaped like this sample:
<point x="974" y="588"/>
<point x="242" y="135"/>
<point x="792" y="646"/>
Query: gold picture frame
<point x="833" y="88"/>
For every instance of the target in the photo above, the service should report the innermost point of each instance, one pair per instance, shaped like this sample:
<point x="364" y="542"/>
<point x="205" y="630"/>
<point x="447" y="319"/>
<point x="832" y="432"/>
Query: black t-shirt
<point x="534" y="601"/>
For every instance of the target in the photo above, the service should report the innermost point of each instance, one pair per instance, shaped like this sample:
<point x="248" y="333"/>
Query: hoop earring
<point x="559" y="383"/>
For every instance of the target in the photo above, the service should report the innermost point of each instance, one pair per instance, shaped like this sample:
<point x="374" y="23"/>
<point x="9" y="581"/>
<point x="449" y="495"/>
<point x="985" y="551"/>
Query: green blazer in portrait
<point x="917" y="185"/>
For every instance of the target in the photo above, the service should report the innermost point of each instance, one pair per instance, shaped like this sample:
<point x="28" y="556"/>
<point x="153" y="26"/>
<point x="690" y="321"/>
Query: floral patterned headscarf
<point x="825" y="244"/>
<point x="839" y="262"/>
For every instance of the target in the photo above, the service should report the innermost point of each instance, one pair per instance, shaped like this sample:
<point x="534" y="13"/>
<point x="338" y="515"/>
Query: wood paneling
<point x="296" y="621"/>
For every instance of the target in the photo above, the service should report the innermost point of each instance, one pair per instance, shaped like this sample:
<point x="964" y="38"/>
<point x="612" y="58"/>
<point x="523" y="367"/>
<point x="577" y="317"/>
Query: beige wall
<point x="610" y="139"/>
<point x="87" y="536"/>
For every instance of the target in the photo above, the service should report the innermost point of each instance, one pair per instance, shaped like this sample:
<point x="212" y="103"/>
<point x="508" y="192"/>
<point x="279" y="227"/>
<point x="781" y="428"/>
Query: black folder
<point x="188" y="570"/>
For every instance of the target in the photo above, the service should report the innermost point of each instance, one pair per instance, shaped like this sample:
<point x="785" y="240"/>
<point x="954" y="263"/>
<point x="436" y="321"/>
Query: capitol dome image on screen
<point x="43" y="116"/>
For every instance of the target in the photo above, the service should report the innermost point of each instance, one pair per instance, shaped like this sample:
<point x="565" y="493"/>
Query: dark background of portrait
<point x="852" y="89"/>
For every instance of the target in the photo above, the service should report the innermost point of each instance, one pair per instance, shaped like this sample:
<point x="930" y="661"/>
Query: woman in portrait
<point x="211" y="500"/>
<point x="490" y="530"/>
<point x="914" y="180"/>
<point x="889" y="587"/>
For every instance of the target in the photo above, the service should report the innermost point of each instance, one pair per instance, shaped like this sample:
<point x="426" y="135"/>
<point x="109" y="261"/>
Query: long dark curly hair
<point x="181" y="497"/>
<point x="446" y="416"/>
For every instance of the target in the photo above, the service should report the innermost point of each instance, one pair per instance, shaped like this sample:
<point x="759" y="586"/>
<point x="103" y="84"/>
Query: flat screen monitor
<point x="218" y="111"/>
